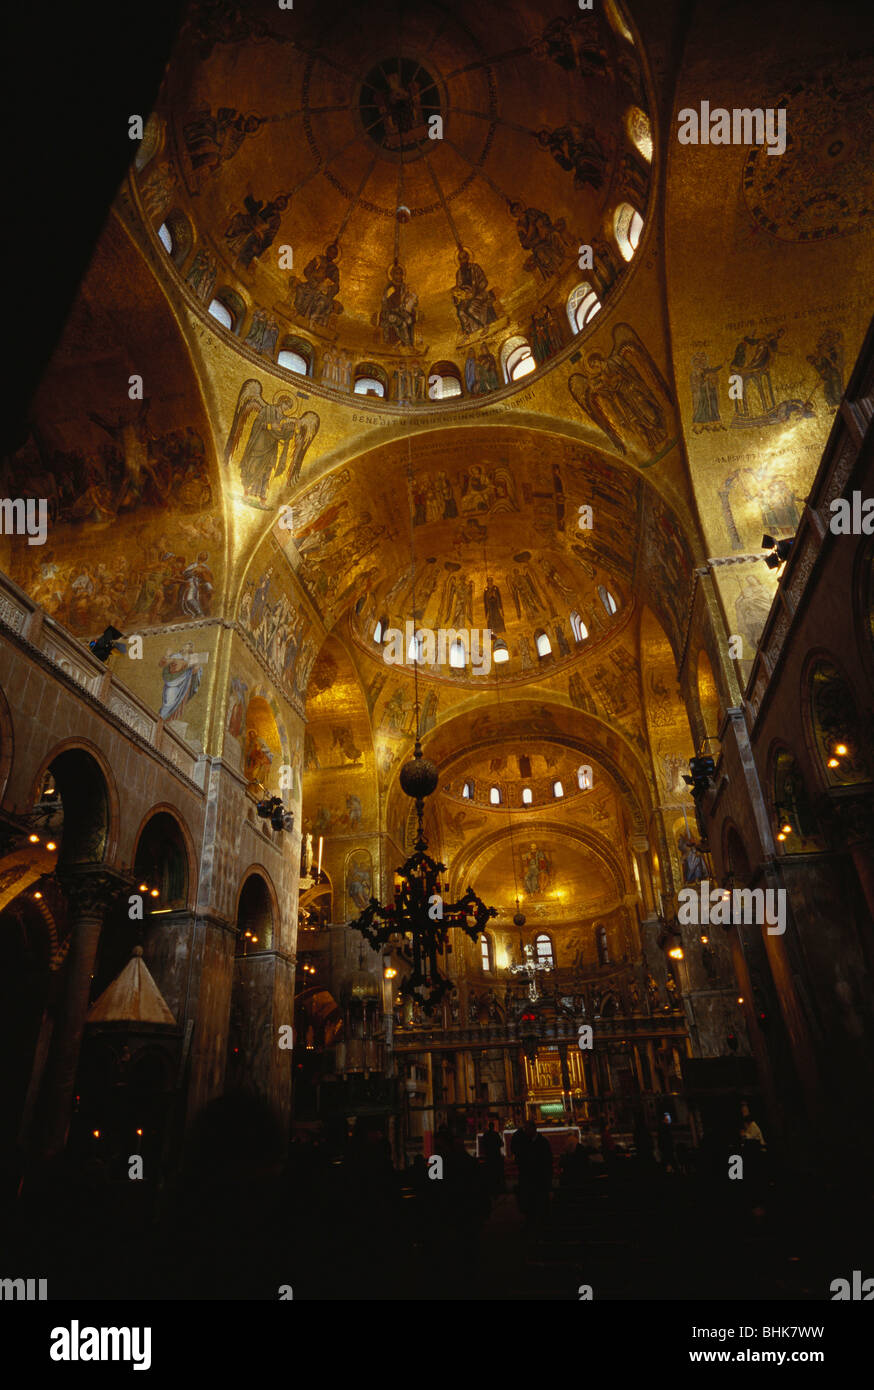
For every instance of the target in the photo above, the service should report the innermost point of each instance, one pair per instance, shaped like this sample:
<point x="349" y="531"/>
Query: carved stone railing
<point x="49" y="643"/>
<point x="428" y="1037"/>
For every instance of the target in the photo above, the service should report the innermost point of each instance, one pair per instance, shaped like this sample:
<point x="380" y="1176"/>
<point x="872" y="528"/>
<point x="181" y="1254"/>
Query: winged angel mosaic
<point x="277" y="439"/>
<point x="625" y="394"/>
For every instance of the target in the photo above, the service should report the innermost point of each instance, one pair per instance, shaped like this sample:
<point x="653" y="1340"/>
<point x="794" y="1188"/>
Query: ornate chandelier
<point x="418" y="922"/>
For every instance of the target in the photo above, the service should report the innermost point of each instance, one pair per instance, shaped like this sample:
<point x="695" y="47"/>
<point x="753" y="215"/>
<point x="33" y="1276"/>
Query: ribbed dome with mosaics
<point x="405" y="191"/>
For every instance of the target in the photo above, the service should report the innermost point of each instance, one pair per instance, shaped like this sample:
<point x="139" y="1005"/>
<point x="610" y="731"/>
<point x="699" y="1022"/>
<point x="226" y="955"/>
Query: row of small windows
<point x="544" y="951"/>
<point x="458" y="653"/>
<point x="496" y="796"/>
<point x="444" y="379"/>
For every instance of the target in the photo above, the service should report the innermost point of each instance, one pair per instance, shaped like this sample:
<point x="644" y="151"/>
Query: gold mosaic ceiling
<point x="321" y="117"/>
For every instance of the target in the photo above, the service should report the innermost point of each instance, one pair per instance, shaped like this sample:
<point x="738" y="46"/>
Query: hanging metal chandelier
<point x="419" y="920"/>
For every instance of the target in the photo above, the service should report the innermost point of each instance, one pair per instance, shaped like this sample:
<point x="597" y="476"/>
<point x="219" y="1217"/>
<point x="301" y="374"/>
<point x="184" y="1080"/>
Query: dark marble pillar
<point x="90" y="890"/>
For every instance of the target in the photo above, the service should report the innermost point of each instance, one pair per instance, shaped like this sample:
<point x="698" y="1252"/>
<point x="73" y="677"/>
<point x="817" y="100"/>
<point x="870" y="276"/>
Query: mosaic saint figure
<point x="250" y="233"/>
<point x="182" y="672"/>
<point x="212" y="140"/>
<point x="397" y="317"/>
<point x="705" y="393"/>
<point x="474" y="301"/>
<point x="315" y="295"/>
<point x="577" y="149"/>
<point x="540" y="236"/>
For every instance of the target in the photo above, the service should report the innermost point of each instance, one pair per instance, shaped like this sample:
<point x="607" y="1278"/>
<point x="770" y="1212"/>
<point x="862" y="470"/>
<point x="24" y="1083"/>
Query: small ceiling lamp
<point x="676" y="953"/>
<point x="841" y="750"/>
<point x="34" y="839"/>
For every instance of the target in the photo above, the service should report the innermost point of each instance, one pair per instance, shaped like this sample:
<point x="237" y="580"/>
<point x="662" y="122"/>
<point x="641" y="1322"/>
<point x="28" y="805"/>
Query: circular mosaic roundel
<point x="823" y="185"/>
<point x="397" y="99"/>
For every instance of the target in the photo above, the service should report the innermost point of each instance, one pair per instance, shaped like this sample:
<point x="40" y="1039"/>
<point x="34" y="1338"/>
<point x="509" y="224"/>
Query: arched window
<point x="444" y="380"/>
<point x="370" y="380"/>
<point x="836" y="727"/>
<point x="416" y="649"/>
<point x="368" y="386"/>
<point x="627" y="227"/>
<point x="467" y="791"/>
<point x="377" y="631"/>
<point x="584" y="778"/>
<point x="543" y="951"/>
<point x="578" y="628"/>
<point x="457" y="655"/>
<point x="176" y="236"/>
<point x="517" y="359"/>
<point x="611" y="9"/>
<point x="639" y="131"/>
<point x="607" y="599"/>
<point x="794" y="822"/>
<point x="495" y="796"/>
<point x="601" y="946"/>
<point x="582" y="306"/>
<point x="542" y="643"/>
<point x="293" y="362"/>
<point x="222" y="314"/>
<point x="500" y="651"/>
<point x="227" y="304"/>
<point x="557" y="789"/>
<point x="527" y="796"/>
<point x="487" y="953"/>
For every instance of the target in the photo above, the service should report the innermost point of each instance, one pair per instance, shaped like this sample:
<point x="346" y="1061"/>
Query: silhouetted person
<point x="643" y="1142"/>
<point x="574" y="1163"/>
<point x="666" y="1143"/>
<point x="535" y="1175"/>
<point x="493" y="1154"/>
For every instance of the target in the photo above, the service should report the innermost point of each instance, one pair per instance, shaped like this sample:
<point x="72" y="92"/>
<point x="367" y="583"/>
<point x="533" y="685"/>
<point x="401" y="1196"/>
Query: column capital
<point x="91" y="888"/>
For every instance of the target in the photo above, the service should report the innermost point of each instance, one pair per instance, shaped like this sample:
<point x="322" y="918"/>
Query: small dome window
<point x="557" y="789"/>
<point x="607" y="599"/>
<point x="527" y="796"/>
<point x="517" y="359"/>
<point x="543" y="951"/>
<point x="222" y="314"/>
<point x="467" y="791"/>
<point x="295" y="355"/>
<point x="627" y="227"/>
<point x="578" y="628"/>
<point x="543" y="644"/>
<point x="377" y="632"/>
<point x="639" y="131"/>
<point x="500" y="651"/>
<point x="584" y="778"/>
<point x="368" y="386"/>
<point x="582" y="306"/>
<point x="457" y="655"/>
<point x="444" y="380"/>
<point x="292" y="362"/>
<point x="486" y="950"/>
<point x="166" y="238"/>
<point x="495" y="796"/>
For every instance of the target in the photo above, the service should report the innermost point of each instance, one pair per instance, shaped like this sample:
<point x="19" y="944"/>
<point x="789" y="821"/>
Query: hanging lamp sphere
<point x="419" y="777"/>
<point x="402" y="213"/>
<point x="520" y="919"/>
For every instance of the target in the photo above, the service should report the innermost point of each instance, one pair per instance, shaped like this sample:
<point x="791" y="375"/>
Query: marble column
<point x="90" y="889"/>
